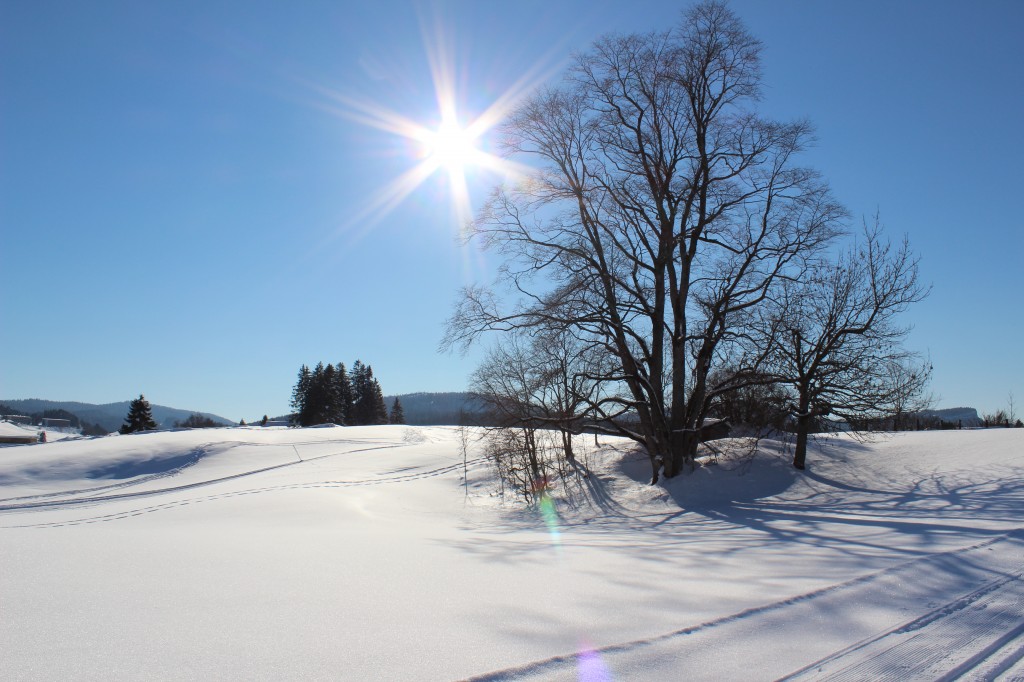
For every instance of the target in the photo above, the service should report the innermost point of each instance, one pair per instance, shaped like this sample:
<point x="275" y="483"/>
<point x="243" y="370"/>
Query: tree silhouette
<point x="397" y="413"/>
<point x="139" y="418"/>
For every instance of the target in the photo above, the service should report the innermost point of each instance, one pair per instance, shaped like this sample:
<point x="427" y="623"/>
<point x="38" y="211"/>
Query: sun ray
<point x="383" y="202"/>
<point x="450" y="144"/>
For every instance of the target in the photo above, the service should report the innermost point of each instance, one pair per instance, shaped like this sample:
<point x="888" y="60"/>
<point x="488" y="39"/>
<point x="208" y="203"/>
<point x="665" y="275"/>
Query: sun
<point x="452" y="147"/>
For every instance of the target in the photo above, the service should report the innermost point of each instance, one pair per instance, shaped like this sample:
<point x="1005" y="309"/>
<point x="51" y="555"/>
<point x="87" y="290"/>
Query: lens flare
<point x="590" y="667"/>
<point x="549" y="513"/>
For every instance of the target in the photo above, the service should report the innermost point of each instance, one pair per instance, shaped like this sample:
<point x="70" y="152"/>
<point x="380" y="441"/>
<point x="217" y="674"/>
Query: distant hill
<point x="967" y="415"/>
<point x="111" y="415"/>
<point x="437" y="409"/>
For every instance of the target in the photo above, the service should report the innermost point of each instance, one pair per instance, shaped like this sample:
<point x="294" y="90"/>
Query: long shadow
<point x="131" y="469"/>
<point x="932" y="509"/>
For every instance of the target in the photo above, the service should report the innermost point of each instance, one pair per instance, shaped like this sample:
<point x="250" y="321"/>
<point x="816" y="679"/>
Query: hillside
<point x="363" y="553"/>
<point x="110" y="415"/>
<point x="438" y="409"/>
<point x="968" y="416"/>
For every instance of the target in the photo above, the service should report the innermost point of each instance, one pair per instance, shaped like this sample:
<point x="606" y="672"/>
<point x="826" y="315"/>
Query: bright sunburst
<point x="450" y="146"/>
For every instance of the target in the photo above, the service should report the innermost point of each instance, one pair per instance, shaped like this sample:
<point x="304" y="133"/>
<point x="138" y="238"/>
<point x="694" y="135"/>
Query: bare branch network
<point x="669" y="251"/>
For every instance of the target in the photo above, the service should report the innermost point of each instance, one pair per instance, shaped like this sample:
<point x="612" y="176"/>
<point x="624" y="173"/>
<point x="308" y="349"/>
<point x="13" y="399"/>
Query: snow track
<point x="978" y="635"/>
<point x="971" y="637"/>
<point x="71" y="501"/>
<point x="440" y="471"/>
<point x="72" y="498"/>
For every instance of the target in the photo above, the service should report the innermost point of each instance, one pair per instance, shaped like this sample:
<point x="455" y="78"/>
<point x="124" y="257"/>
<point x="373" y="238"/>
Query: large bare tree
<point x="662" y="212"/>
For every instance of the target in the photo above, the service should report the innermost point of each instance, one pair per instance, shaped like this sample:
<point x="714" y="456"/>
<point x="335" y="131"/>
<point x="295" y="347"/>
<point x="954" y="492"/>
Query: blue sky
<point x="187" y="210"/>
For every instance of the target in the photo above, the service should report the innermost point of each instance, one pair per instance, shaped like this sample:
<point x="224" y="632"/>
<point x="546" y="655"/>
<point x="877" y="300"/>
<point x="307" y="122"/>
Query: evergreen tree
<point x="93" y="430"/>
<point x="330" y="394"/>
<point x="343" y="390"/>
<point x="368" y="398"/>
<point x="397" y="413"/>
<point x="315" y="397"/>
<point x="327" y="394"/>
<point x="361" y="400"/>
<point x="139" y="418"/>
<point x="380" y="408"/>
<point x="300" y="395"/>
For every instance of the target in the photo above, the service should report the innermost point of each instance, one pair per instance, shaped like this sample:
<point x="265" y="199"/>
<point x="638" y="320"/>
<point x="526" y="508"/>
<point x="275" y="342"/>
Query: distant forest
<point x="441" y="409"/>
<point x="333" y="394"/>
<point x="99" y="419"/>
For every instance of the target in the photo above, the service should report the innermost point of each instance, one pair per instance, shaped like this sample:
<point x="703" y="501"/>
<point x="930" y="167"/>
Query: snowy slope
<point x="359" y="553"/>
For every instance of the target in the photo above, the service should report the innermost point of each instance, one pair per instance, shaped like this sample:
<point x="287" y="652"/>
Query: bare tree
<point x="908" y="380"/>
<point x="663" y="211"/>
<point x="998" y="418"/>
<point x="839" y="349"/>
<point x="570" y="370"/>
<point x="532" y="387"/>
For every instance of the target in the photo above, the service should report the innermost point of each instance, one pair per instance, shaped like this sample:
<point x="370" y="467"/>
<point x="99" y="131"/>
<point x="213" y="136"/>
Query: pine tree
<point x="380" y="408"/>
<point x="327" y="391"/>
<point x="369" y="406"/>
<point x="315" y="397"/>
<point x="360" y="394"/>
<point x="330" y="394"/>
<point x="397" y="413"/>
<point x="300" y="396"/>
<point x="139" y="418"/>
<point x="343" y="389"/>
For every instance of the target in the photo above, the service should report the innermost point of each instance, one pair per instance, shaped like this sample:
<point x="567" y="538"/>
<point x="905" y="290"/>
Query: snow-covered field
<point x="359" y="553"/>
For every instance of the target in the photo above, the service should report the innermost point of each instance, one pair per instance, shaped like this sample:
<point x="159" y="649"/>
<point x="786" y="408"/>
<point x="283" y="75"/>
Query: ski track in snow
<point x="62" y="503"/>
<point x="196" y="454"/>
<point x="977" y="636"/>
<point x="395" y="476"/>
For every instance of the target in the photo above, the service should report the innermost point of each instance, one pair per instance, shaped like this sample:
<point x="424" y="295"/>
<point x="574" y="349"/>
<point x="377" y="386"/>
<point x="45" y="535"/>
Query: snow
<point x="361" y="553"/>
<point x="10" y="429"/>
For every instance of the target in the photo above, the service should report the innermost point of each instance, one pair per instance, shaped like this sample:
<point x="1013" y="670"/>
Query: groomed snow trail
<point x="978" y="632"/>
<point x="976" y="635"/>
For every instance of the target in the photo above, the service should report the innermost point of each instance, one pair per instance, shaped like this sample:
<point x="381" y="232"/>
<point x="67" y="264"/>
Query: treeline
<point x="447" y="409"/>
<point x="196" y="421"/>
<point x="330" y="394"/>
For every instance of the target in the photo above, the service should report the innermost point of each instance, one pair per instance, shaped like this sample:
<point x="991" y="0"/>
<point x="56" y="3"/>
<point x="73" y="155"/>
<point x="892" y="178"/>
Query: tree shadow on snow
<point x="147" y="467"/>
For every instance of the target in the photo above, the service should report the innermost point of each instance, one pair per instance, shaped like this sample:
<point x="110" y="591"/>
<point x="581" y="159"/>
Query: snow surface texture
<point x="362" y="553"/>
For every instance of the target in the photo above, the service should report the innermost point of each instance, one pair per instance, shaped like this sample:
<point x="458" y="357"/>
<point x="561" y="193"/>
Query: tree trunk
<point x="567" y="445"/>
<point x="659" y="450"/>
<point x="682" y="449"/>
<point x="803" y="425"/>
